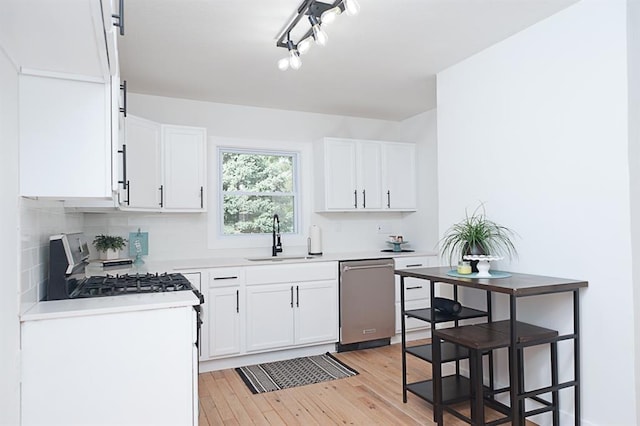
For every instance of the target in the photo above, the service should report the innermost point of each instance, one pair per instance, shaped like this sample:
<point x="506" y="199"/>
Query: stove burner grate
<point x="113" y="285"/>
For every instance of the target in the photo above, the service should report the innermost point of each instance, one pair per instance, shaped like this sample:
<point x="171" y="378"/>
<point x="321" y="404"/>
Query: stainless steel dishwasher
<point x="367" y="303"/>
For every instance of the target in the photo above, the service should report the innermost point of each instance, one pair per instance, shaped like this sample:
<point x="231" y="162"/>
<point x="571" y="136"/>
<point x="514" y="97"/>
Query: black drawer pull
<point x="224" y="278"/>
<point x="415" y="265"/>
<point x="414" y="288"/>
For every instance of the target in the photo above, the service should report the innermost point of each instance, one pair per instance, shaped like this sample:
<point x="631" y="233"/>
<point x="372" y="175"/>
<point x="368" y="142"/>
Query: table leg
<point x="576" y="354"/>
<point x="404" y="342"/>
<point x="514" y="376"/>
<point x="436" y="379"/>
<point x="477" y="401"/>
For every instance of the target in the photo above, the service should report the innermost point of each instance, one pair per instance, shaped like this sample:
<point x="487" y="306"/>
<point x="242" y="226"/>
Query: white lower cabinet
<point x="270" y="316"/>
<point x="316" y="312"/>
<point x="291" y="305"/>
<point x="280" y="315"/>
<point x="110" y="369"/>
<point x="224" y="321"/>
<point x="222" y="313"/>
<point x="416" y="291"/>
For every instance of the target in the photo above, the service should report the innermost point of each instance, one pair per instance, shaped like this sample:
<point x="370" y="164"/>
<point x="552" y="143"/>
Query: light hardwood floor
<point x="372" y="397"/>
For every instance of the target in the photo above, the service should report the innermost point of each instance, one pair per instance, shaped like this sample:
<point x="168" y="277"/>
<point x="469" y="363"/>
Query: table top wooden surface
<point x="516" y="285"/>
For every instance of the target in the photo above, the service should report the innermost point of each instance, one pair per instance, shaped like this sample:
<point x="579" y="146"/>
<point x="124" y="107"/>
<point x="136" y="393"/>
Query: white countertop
<point x="108" y="305"/>
<point x="133" y="302"/>
<point x="189" y="264"/>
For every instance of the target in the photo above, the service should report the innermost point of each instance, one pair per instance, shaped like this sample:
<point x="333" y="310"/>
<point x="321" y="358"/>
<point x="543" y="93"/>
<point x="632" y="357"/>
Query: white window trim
<point x="292" y="243"/>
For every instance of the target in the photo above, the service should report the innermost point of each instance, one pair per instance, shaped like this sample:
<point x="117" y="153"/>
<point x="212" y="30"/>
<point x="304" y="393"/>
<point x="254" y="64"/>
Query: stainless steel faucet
<point x="276" y="246"/>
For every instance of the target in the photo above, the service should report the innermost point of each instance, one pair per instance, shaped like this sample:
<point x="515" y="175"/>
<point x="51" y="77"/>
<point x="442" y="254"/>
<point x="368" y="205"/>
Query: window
<point x="255" y="186"/>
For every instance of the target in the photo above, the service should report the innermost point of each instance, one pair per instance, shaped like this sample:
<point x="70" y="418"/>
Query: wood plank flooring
<point x="372" y="397"/>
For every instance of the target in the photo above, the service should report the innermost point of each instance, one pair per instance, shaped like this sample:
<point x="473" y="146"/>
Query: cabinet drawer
<point x="413" y="262"/>
<point x="224" y="277"/>
<point x="290" y="273"/>
<point x="415" y="289"/>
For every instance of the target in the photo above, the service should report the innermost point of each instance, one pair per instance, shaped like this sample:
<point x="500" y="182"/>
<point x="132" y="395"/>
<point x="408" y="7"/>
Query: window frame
<point x="297" y="205"/>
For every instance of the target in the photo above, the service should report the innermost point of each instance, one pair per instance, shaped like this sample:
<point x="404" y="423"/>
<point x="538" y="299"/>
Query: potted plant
<point x="109" y="246"/>
<point x="476" y="234"/>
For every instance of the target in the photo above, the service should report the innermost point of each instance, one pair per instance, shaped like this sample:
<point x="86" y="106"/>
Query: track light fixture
<point x="319" y="15"/>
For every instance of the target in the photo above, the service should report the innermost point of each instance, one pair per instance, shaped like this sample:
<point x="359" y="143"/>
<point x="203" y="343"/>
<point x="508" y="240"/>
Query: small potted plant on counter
<point x="109" y="246"/>
<point x="477" y="235"/>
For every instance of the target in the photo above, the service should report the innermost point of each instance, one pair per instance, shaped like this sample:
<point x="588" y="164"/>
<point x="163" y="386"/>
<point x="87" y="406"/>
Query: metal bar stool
<point x="481" y="339"/>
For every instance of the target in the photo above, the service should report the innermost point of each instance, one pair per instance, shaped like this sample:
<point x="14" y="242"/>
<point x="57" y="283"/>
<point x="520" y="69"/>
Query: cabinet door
<point x="399" y="176"/>
<point x="223" y="317"/>
<point x="142" y="138"/>
<point x="269" y="316"/>
<point x="184" y="151"/>
<point x="340" y="175"/>
<point x="65" y="138"/>
<point x="316" y="318"/>
<point x="369" y="175"/>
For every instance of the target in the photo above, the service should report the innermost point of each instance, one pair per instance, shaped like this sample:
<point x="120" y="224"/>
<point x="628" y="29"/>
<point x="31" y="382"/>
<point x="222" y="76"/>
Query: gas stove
<point x="115" y="285"/>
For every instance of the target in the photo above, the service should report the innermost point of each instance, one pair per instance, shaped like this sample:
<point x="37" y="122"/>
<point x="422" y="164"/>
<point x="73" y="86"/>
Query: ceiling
<point x="379" y="64"/>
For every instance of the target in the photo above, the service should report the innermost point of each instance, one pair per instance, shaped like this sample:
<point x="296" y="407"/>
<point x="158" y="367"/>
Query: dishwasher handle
<point x="353" y="268"/>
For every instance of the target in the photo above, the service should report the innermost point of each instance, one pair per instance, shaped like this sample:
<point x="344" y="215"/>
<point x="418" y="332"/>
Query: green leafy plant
<point x="109" y="242"/>
<point x="476" y="234"/>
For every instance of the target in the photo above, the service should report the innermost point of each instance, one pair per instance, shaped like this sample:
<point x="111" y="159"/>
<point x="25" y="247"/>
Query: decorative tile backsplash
<point x="39" y="219"/>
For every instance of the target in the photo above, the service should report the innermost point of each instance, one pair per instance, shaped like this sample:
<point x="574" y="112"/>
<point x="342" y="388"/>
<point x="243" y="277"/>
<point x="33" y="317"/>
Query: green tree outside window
<point x="255" y="186"/>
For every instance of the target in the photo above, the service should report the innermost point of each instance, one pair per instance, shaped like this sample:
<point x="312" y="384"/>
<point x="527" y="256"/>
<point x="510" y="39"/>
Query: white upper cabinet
<point x="184" y="167"/>
<point x="66" y="54"/>
<point x="399" y="175"/>
<point x="71" y="37"/>
<point x="359" y="175"/>
<point x="65" y="141"/>
<point x="165" y="167"/>
<point x="336" y="174"/>
<point x="142" y="162"/>
<point x="369" y="178"/>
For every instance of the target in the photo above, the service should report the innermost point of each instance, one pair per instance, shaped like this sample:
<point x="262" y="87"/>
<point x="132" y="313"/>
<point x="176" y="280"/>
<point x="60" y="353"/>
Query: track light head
<point x="318" y="33"/>
<point x="319" y="14"/>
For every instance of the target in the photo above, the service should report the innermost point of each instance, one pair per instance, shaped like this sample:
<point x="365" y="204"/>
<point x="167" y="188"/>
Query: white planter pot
<point x="109" y="254"/>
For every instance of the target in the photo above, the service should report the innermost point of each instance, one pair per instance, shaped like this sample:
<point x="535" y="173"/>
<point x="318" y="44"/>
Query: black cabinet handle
<point x="237" y="301"/>
<point x="355" y="198"/>
<point x="161" y="195"/>
<point x="414" y="265"/>
<point x="123" y="108"/>
<point x="119" y="18"/>
<point x="202" y="197"/>
<point x="225" y="278"/>
<point x="414" y="287"/>
<point x="124" y="181"/>
<point x="298" y="296"/>
<point x="291" y="296"/>
<point x="389" y="199"/>
<point x="364" y="199"/>
<point x="128" y="193"/>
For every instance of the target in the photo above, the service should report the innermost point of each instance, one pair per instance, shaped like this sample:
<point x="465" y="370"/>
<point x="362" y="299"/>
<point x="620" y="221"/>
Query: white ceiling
<point x="379" y="64"/>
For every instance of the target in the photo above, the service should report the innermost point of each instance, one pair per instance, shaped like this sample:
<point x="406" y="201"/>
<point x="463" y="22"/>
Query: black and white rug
<point x="294" y="372"/>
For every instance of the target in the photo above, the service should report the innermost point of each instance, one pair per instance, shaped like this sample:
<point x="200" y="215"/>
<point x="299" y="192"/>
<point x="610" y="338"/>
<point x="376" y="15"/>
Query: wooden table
<point x="515" y="286"/>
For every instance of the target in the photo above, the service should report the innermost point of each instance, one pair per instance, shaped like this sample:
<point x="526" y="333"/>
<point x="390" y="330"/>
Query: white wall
<point x="633" y="49"/>
<point x="537" y="128"/>
<point x="9" y="214"/>
<point x="185" y="235"/>
<point x="39" y="219"/>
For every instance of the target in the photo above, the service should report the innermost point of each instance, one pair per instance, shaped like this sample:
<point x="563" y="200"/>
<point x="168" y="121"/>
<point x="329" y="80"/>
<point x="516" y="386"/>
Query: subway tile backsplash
<point x="39" y="219"/>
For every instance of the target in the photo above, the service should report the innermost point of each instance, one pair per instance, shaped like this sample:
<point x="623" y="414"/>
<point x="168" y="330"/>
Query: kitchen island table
<point x="515" y="286"/>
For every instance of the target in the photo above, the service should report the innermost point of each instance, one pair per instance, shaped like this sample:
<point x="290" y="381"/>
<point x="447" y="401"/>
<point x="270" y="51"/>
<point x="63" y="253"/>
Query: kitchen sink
<point x="279" y="258"/>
